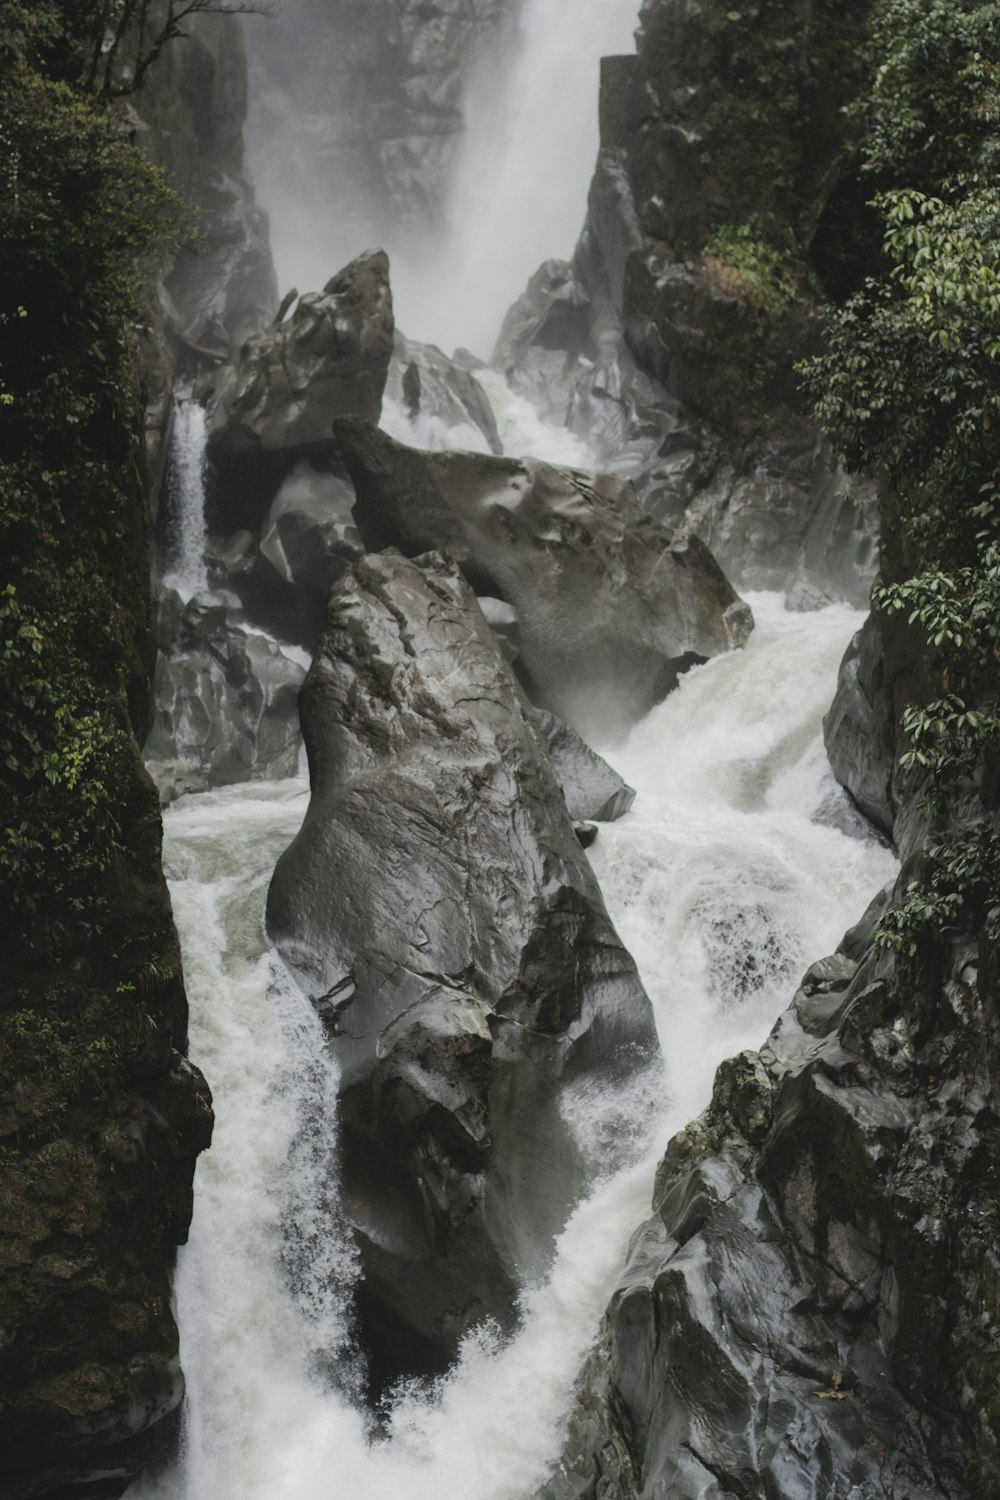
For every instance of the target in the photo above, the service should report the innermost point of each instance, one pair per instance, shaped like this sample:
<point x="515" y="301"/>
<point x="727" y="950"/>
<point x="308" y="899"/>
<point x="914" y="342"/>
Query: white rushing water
<point x="519" y="190"/>
<point x="185" y="563"/>
<point x="724" y="889"/>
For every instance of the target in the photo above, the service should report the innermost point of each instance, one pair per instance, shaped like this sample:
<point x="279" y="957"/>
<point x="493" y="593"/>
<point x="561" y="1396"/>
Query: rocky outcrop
<point x="592" y="788"/>
<point x="330" y="357"/>
<point x="226" y="700"/>
<point x="359" y="110"/>
<point x="812" y="1309"/>
<point x="610" y="606"/>
<point x="438" y="907"/>
<point x="712" y="235"/>
<point x="436" y="402"/>
<point x="276" y="491"/>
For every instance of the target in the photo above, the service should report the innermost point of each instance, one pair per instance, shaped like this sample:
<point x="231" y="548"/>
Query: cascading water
<point x="519" y="189"/>
<point x="721" y="882"/>
<point x="720" y="868"/>
<point x="185" y="570"/>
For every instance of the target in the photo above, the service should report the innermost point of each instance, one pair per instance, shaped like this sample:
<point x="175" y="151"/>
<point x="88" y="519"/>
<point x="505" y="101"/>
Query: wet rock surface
<point x="610" y="606"/>
<point x="803" y="1314"/>
<point x="651" y="342"/>
<point x="226" y="700"/>
<point x="438" y="907"/>
<point x="443" y="403"/>
<point x="593" y="790"/>
<point x="330" y="357"/>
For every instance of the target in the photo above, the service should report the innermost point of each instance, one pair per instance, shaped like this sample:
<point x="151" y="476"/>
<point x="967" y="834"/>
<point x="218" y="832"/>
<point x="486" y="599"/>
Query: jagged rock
<point x="860" y="729"/>
<point x="593" y="790"/>
<point x="274" y="405"/>
<point x="330" y="357"/>
<point x="438" y="907"/>
<point x="650" y="342"/>
<point x="226" y="700"/>
<point x="438" y="403"/>
<point x="611" y="608"/>
<point x="808" y="1313"/>
<point x="309" y="536"/>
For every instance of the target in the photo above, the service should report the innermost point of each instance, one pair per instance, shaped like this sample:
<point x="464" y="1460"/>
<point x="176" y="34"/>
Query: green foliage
<point x="909" y="387"/>
<point x="744" y="261"/>
<point x="81" y="207"/>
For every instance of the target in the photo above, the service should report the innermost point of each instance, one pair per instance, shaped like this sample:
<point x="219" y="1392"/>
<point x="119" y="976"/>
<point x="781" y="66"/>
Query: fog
<point x="466" y="215"/>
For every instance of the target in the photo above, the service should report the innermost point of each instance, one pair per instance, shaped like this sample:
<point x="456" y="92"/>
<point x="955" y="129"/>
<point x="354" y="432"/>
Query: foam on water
<point x="723" y="888"/>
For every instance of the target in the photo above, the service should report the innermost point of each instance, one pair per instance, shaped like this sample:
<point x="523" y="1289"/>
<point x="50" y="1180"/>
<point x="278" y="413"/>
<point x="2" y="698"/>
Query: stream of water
<point x="723" y="886"/>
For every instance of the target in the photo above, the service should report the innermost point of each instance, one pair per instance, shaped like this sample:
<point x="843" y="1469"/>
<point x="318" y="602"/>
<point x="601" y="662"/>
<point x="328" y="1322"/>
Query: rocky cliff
<point x="103" y="1115"/>
<point x="359" y="110"/>
<point x="717" y="218"/>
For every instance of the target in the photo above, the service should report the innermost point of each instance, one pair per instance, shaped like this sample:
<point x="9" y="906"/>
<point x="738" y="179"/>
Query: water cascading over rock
<point x="438" y="908"/>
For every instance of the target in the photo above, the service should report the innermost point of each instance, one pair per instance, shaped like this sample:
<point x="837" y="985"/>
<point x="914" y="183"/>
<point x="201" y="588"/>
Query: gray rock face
<point x="221" y="289"/>
<point x="651" y="343"/>
<point x="610" y="606"/>
<point x="438" y="907"/>
<point x="309" y="537"/>
<point x="330" y="357"/>
<point x="806" y="1315"/>
<point x="779" y="514"/>
<point x="591" y="787"/>
<point x="226" y="700"/>
<point x="359" y="110"/>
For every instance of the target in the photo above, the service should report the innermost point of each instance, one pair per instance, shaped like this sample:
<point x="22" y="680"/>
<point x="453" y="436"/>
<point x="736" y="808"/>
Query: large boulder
<point x="274" y="404"/>
<point x="492" y="1033"/>
<point x="611" y="607"/>
<point x="434" y="402"/>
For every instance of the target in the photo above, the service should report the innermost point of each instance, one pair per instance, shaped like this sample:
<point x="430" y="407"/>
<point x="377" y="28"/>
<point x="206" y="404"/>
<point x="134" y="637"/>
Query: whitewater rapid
<point x="723" y="886"/>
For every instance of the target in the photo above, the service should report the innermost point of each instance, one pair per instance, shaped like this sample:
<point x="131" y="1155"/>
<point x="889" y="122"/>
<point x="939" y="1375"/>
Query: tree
<point x="127" y="37"/>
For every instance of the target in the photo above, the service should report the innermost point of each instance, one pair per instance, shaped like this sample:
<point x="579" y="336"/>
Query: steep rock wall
<point x="713" y="232"/>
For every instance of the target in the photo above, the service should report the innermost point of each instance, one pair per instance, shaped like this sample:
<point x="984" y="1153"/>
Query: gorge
<point x="597" y="990"/>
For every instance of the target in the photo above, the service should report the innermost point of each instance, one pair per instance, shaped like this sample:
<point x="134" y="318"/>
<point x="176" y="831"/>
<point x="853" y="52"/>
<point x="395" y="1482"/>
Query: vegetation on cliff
<point x="910" y="389"/>
<point x="100" y="1121"/>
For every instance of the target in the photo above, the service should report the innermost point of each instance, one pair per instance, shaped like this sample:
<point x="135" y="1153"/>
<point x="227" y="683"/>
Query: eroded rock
<point x="439" y="908"/>
<point x="610" y="606"/>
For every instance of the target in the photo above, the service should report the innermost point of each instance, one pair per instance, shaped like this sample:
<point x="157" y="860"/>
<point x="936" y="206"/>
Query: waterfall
<point x="517" y="196"/>
<point x="185" y="569"/>
<point x="720" y="866"/>
<point x="723" y="881"/>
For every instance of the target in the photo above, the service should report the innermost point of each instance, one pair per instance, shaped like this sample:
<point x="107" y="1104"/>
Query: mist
<point x="466" y="214"/>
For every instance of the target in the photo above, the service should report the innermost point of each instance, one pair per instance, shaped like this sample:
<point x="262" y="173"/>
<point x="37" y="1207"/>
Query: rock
<point x="274" y="405"/>
<point x="611" y="607"/>
<point x="655" y="341"/>
<point x="805" y="1311"/>
<point x="435" y="403"/>
<point x="360" y="110"/>
<point x="439" y="909"/>
<point x="330" y="357"/>
<point x="226" y="700"/>
<point x="309" y="537"/>
<point x="592" y="789"/>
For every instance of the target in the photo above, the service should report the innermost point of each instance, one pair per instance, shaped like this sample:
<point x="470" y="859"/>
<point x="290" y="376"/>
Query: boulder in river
<point x="274" y="404"/>
<point x="491" y="1029"/>
<point x="611" y="606"/>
